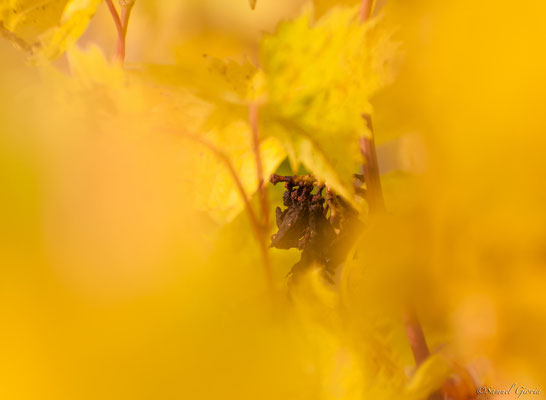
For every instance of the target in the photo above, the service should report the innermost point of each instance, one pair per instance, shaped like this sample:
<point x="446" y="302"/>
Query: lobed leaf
<point x="320" y="76"/>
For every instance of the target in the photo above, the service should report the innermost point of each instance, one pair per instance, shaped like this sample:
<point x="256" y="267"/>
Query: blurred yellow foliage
<point x="131" y="267"/>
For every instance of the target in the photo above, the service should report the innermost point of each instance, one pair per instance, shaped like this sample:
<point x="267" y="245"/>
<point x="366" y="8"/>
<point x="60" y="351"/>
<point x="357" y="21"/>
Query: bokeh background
<point x="114" y="285"/>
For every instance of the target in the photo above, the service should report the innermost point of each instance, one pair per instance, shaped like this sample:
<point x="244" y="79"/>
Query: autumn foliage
<point x="319" y="199"/>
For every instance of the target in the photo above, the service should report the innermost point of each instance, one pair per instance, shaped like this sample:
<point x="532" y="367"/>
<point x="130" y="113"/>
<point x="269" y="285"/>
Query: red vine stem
<point x="259" y="233"/>
<point x="366" y="8"/>
<point x="117" y="21"/>
<point x="253" y="122"/>
<point x="126" y="8"/>
<point x="121" y="24"/>
<point x="415" y="335"/>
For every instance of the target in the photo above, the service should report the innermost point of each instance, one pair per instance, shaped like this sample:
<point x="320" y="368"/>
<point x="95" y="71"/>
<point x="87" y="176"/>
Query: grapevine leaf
<point x="45" y="28"/>
<point x="322" y="74"/>
<point x="319" y="79"/>
<point x="306" y="100"/>
<point x="227" y="88"/>
<point x="236" y="82"/>
<point x="218" y="81"/>
<point x="28" y="19"/>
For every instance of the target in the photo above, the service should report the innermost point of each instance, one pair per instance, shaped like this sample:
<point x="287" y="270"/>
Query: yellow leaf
<point x="330" y="165"/>
<point x="30" y="18"/>
<point x="236" y="82"/>
<point x="322" y="74"/>
<point x="214" y="189"/>
<point x="75" y="19"/>
<point x="319" y="79"/>
<point x="232" y="82"/>
<point x="45" y="28"/>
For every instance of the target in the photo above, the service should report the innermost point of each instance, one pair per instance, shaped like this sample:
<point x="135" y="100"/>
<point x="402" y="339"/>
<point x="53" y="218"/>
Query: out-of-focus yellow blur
<point x="113" y="285"/>
<point x="470" y="250"/>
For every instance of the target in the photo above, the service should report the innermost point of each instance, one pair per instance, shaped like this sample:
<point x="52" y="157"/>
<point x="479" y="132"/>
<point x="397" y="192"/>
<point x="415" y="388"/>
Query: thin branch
<point x="121" y="24"/>
<point x="415" y="335"/>
<point x="117" y="22"/>
<point x="115" y="16"/>
<point x="259" y="234"/>
<point x="253" y="122"/>
<point x="240" y="188"/>
<point x="366" y="9"/>
<point x="418" y="344"/>
<point x="126" y="8"/>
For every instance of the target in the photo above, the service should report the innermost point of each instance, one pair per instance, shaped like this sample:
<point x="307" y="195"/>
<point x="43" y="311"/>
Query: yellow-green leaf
<point x="215" y="189"/>
<point x="319" y="77"/>
<point x="322" y="74"/>
<point x="45" y="28"/>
